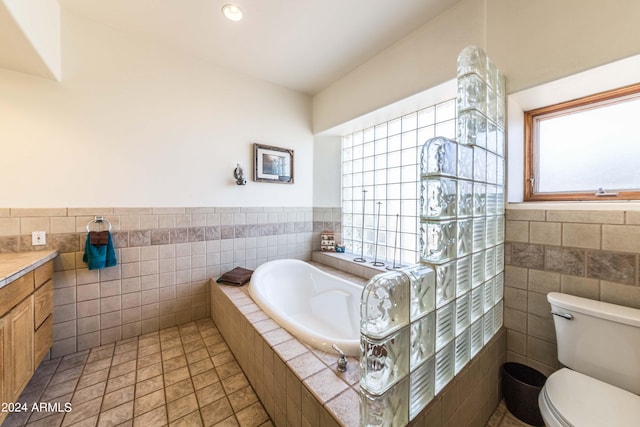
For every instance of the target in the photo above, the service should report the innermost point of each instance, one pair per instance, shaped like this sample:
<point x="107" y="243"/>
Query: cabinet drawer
<point x="14" y="292"/>
<point x="43" y="303"/>
<point x="43" y="340"/>
<point x="43" y="273"/>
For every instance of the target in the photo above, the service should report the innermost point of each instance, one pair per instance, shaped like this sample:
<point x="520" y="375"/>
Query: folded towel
<point x="238" y="276"/>
<point x="99" y="255"/>
<point x="99" y="238"/>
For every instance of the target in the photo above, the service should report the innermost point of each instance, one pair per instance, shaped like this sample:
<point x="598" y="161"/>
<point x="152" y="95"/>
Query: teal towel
<point x="99" y="256"/>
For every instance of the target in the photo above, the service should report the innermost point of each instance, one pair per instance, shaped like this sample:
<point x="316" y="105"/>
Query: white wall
<point x="535" y="42"/>
<point x="132" y="124"/>
<point x="424" y="59"/>
<point x="532" y="42"/>
<point x="327" y="171"/>
<point x="37" y="34"/>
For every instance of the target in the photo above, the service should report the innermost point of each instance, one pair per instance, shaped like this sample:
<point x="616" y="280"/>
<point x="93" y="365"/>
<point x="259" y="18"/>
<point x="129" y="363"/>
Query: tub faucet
<point x="342" y="360"/>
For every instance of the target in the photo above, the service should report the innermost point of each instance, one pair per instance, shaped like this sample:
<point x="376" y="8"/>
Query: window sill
<point x="599" y="205"/>
<point x="345" y="262"/>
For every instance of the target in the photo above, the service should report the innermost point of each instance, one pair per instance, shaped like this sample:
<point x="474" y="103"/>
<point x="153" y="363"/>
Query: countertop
<point x="15" y="265"/>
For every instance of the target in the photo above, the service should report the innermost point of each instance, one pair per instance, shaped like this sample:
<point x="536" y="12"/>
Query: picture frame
<point x="272" y="164"/>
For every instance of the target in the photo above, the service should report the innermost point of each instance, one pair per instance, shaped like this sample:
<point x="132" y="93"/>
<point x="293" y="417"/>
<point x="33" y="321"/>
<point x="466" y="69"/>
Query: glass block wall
<point x="421" y="325"/>
<point x="383" y="160"/>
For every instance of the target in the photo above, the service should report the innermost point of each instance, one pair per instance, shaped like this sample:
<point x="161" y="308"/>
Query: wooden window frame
<point x="568" y="107"/>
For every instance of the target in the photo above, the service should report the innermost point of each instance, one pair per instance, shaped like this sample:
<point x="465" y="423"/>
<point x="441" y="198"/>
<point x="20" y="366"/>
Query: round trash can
<point x="521" y="385"/>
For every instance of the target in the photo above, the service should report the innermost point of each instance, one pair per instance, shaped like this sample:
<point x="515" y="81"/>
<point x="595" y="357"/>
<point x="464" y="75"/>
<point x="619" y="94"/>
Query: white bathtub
<point x="314" y="306"/>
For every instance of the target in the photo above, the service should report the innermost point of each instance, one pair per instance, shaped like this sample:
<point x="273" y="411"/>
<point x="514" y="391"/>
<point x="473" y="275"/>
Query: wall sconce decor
<point x="238" y="174"/>
<point x="272" y="164"/>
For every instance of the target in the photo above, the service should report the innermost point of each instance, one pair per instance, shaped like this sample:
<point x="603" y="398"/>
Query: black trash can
<point x="521" y="386"/>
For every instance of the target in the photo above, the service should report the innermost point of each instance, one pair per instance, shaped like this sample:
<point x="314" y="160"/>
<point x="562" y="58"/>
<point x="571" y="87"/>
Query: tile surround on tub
<point x="298" y="384"/>
<point x="166" y="257"/>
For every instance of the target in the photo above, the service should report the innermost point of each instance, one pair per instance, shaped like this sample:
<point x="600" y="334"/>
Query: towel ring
<point x="98" y="220"/>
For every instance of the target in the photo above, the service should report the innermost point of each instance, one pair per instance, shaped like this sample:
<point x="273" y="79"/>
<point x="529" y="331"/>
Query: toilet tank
<point x="600" y="340"/>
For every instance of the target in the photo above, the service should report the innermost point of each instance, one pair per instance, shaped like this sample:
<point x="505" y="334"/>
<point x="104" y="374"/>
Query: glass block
<point x="492" y="168"/>
<point x="492" y="135"/>
<point x="384" y="304"/>
<point x="445" y="283"/>
<point x="477" y="269"/>
<point x="477" y="339"/>
<point x="472" y="94"/>
<point x="498" y="287"/>
<point x="492" y="74"/>
<point x="498" y="316"/>
<point x="445" y="325"/>
<point x="465" y="198"/>
<point x="438" y="157"/>
<point x="423" y="334"/>
<point x="465" y="237"/>
<point x="501" y="85"/>
<point x="477" y="303"/>
<point x="479" y="239"/>
<point x="500" y="171"/>
<point x="438" y="241"/>
<point x="488" y="326"/>
<point x="463" y="350"/>
<point x="438" y="198"/>
<point x="463" y="275"/>
<point x="479" y="164"/>
<point x="499" y="258"/>
<point x="490" y="236"/>
<point x="488" y="294"/>
<point x="492" y="104"/>
<point x="463" y="313"/>
<point x="472" y="128"/>
<point x="472" y="59"/>
<point x="500" y="115"/>
<point x="479" y="199"/>
<point x="423" y="289"/>
<point x="489" y="263"/>
<point x="465" y="161"/>
<point x="500" y="142"/>
<point x="445" y="366"/>
<point x="388" y="409"/>
<point x="500" y="200"/>
<point x="422" y="387"/>
<point x="500" y="229"/>
<point x="384" y="362"/>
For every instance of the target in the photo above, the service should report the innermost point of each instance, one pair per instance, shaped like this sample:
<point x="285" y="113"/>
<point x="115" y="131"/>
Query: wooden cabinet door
<point x="3" y="387"/>
<point x="18" y="366"/>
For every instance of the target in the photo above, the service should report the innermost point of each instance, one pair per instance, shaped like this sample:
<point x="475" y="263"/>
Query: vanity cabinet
<point x="18" y="348"/>
<point x="26" y="329"/>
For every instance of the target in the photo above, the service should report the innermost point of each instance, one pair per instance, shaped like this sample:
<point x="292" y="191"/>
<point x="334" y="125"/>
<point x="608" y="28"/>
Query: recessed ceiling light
<point x="232" y="12"/>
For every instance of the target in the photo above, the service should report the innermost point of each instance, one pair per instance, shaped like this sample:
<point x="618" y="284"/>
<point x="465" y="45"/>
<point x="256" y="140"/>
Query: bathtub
<point x="314" y="306"/>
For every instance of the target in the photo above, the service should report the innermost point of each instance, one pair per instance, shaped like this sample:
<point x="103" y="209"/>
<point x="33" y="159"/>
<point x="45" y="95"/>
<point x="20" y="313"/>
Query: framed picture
<point x="272" y="164"/>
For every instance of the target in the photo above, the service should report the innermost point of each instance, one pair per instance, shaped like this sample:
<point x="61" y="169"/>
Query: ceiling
<point x="304" y="45"/>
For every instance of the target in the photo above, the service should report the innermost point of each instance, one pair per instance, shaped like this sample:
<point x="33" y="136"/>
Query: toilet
<point x="599" y="345"/>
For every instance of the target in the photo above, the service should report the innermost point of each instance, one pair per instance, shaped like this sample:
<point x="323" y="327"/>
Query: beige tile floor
<point x="503" y="418"/>
<point x="180" y="376"/>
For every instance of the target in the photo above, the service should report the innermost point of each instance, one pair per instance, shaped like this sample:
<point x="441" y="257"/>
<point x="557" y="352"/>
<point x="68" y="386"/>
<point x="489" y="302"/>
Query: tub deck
<point x="295" y="381"/>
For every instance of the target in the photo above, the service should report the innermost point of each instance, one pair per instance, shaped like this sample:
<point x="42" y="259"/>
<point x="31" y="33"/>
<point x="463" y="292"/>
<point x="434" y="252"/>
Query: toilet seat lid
<point x="584" y="401"/>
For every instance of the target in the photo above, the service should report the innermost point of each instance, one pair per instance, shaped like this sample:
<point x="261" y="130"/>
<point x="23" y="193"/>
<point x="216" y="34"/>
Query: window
<point x="381" y="167"/>
<point x="585" y="149"/>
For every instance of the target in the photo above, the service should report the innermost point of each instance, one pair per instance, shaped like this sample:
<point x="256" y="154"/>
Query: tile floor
<point x="503" y="418"/>
<point x="180" y="376"/>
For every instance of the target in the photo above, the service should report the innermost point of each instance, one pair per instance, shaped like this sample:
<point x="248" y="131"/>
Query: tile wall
<point x="589" y="253"/>
<point x="298" y="384"/>
<point x="165" y="259"/>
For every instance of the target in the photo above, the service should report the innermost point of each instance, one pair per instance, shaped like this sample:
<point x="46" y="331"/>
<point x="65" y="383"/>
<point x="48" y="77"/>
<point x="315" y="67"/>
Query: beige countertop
<point x="16" y="265"/>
